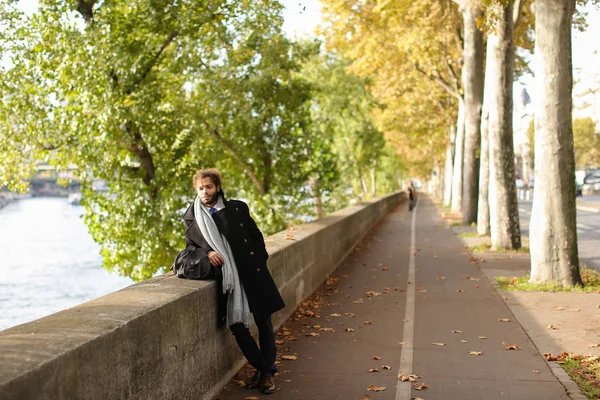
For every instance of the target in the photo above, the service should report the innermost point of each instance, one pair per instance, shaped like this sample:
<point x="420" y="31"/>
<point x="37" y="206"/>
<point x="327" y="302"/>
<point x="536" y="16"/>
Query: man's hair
<point x="211" y="173"/>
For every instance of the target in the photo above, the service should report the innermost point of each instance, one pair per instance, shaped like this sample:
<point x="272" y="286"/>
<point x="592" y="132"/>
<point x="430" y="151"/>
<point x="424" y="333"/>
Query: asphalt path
<point x="588" y="229"/>
<point x="410" y="300"/>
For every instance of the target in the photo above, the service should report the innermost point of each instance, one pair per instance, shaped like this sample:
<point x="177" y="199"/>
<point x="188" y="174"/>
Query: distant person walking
<point x="412" y="196"/>
<point x="235" y="246"/>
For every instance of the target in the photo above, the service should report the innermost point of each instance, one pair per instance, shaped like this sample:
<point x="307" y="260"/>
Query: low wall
<point x="158" y="339"/>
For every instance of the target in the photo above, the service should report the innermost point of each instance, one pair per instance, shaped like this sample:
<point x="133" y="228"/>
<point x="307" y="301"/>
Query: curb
<point x="571" y="388"/>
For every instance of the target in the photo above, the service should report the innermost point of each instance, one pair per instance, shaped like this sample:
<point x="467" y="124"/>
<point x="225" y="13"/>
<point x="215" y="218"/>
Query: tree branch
<point x="140" y="149"/>
<point x="440" y="81"/>
<point x="516" y="17"/>
<point x="229" y="148"/>
<point x="154" y="60"/>
<point x="86" y="9"/>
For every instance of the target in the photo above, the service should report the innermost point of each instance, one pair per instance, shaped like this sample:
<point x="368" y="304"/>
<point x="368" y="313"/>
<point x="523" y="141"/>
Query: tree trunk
<point x="315" y="192"/>
<point x="483" y="211"/>
<point x="374" y="179"/>
<point x="504" y="212"/>
<point x="448" y="167"/>
<point x="457" y="175"/>
<point x="473" y="89"/>
<point x="553" y="237"/>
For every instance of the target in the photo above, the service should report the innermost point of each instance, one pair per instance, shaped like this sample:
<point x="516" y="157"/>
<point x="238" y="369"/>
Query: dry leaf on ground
<point x="475" y="353"/>
<point x="457" y="331"/>
<point x="481" y="337"/>
<point x="252" y="398"/>
<point x="367" y="322"/>
<point x="535" y="372"/>
<point x="349" y="330"/>
<point x="374" y="388"/>
<point x="464" y="341"/>
<point x="503" y="320"/>
<point x="386" y="367"/>
<point x="289" y="358"/>
<point x="365" y="397"/>
<point x="558" y="308"/>
<point x="459" y="290"/>
<point x="420" y="386"/>
<point x="510" y="346"/>
<point x="371" y="370"/>
<point x="312" y="334"/>
<point x="335" y="315"/>
<point x="376" y="358"/>
<point x="349" y="314"/>
<point x="438" y="344"/>
<point x="409" y="377"/>
<point x="327" y="329"/>
<point x="401" y="343"/>
<point x="551" y="327"/>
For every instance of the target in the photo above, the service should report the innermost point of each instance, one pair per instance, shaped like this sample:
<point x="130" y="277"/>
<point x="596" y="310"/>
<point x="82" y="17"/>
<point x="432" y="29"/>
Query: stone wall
<point x="158" y="339"/>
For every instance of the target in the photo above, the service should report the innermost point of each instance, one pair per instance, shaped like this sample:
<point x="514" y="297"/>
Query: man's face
<point x="208" y="192"/>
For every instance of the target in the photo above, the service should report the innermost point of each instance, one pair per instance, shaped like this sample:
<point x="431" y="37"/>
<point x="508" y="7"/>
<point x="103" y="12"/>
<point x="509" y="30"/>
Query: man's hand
<point x="215" y="258"/>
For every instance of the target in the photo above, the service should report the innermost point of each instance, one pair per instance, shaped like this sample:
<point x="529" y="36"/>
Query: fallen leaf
<point x="372" y="293"/>
<point x="252" y="398"/>
<point x="420" y="386"/>
<point x="384" y="268"/>
<point x="481" y="337"/>
<point x="595" y="345"/>
<point x="575" y="309"/>
<point x="551" y="327"/>
<point x="559" y="308"/>
<point x="240" y="383"/>
<point x="371" y="370"/>
<point x="359" y="301"/>
<point x="503" y="320"/>
<point x="376" y="358"/>
<point x="475" y="353"/>
<point x="535" y="372"/>
<point x="289" y="358"/>
<point x="349" y="314"/>
<point x="438" y="344"/>
<point x="401" y="343"/>
<point x="374" y="388"/>
<point x="440" y="278"/>
<point x="510" y="346"/>
<point x="386" y="367"/>
<point x="349" y="330"/>
<point x="457" y="331"/>
<point x="279" y="341"/>
<point x="409" y="377"/>
<point x="317" y="326"/>
<point x="335" y="315"/>
<point x="312" y="334"/>
<point x="365" y="397"/>
<point x="332" y="281"/>
<point x="326" y="329"/>
<point x="464" y="341"/>
<point x="367" y="322"/>
<point x="459" y="290"/>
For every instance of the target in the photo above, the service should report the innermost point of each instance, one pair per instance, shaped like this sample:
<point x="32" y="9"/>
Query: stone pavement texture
<point x="412" y="299"/>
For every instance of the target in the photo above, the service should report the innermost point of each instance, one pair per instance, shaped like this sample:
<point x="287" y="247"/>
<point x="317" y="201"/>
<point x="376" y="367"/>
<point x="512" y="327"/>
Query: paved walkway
<point x="412" y="300"/>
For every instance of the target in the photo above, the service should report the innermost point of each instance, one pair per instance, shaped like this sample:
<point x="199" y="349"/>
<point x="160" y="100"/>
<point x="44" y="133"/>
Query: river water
<point x="48" y="260"/>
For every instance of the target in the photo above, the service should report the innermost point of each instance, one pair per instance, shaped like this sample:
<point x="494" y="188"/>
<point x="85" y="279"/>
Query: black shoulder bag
<point x="193" y="263"/>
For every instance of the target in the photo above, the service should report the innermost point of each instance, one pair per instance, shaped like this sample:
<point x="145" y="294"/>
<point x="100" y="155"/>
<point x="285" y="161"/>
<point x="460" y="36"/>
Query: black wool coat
<point x="249" y="251"/>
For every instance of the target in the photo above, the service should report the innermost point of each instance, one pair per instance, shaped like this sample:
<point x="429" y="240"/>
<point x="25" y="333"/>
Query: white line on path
<point x="584" y="226"/>
<point x="403" y="389"/>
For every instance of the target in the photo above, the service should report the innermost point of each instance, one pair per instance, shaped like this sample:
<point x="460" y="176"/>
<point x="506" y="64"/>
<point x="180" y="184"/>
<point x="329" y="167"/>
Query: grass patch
<point x="456" y="223"/>
<point x="487" y="248"/>
<point x="585" y="371"/>
<point x="590" y="278"/>
<point x="469" y="234"/>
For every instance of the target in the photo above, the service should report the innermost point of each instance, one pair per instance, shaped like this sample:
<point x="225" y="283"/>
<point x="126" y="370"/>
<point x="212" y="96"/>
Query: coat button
<point x="246" y="240"/>
<point x="257" y="269"/>
<point x="251" y="253"/>
<point x="242" y="225"/>
<point x="237" y="209"/>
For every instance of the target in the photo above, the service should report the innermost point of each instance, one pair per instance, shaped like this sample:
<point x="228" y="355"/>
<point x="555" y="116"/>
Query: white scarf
<point x="237" y="302"/>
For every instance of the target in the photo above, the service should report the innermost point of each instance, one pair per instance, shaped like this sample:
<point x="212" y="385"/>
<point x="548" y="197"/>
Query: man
<point x="235" y="246"/>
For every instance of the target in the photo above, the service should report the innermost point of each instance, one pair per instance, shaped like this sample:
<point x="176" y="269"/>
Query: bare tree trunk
<point x="473" y="87"/>
<point x="374" y="179"/>
<point x="504" y="212"/>
<point x="448" y="167"/>
<point x="457" y="175"/>
<point x="315" y="192"/>
<point x="483" y="211"/>
<point x="553" y="237"/>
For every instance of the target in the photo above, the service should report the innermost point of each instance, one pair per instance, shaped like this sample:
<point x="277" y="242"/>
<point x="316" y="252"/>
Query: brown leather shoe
<point x="255" y="382"/>
<point x="268" y="385"/>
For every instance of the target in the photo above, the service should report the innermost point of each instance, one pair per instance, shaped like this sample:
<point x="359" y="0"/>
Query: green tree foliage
<point x="142" y="93"/>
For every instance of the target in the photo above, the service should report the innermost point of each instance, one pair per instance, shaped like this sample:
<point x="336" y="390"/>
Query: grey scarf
<point x="237" y="302"/>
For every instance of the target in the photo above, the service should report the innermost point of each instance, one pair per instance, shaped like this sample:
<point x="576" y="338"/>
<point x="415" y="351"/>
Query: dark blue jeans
<point x="262" y="359"/>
